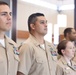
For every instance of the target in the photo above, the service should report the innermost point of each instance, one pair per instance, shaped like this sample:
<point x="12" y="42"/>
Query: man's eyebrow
<point x="44" y="20"/>
<point x="5" y="12"/>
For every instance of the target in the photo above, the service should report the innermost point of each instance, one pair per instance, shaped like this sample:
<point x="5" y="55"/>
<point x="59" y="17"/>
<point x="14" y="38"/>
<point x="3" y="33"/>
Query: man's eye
<point x="10" y="14"/>
<point x="43" y="22"/>
<point x="3" y="14"/>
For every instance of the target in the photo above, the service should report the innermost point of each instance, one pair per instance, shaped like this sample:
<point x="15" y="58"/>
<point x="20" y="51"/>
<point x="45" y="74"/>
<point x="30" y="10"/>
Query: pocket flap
<point x="39" y="60"/>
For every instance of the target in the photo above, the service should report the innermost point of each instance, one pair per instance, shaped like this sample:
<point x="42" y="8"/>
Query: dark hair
<point x="67" y="30"/>
<point x="61" y="45"/>
<point x="3" y="3"/>
<point x="33" y="18"/>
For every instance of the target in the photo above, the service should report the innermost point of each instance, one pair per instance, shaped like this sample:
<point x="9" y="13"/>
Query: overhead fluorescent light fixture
<point x="66" y="7"/>
<point x="62" y="20"/>
<point x="56" y="34"/>
<point x="42" y="3"/>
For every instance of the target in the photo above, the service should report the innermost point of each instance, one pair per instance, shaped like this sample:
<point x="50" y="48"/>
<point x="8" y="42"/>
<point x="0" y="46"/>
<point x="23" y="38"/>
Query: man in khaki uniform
<point x="37" y="56"/>
<point x="8" y="49"/>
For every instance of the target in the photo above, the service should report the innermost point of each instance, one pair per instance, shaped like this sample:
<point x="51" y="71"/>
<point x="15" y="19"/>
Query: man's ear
<point x="32" y="26"/>
<point x="67" y="34"/>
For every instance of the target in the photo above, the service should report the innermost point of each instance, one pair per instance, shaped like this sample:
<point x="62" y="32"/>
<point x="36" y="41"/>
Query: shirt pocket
<point x="67" y="71"/>
<point x="39" y="60"/>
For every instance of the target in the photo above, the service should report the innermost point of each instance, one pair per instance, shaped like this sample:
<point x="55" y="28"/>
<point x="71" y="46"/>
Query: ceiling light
<point x="42" y="3"/>
<point x="62" y="20"/>
<point x="67" y="7"/>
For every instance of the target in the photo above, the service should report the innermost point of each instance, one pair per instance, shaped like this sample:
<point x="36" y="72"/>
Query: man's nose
<point x="9" y="17"/>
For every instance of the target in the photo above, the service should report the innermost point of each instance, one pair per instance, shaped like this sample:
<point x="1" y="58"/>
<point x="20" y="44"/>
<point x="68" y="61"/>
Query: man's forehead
<point x="41" y="18"/>
<point x="5" y="11"/>
<point x="4" y="8"/>
<point x="73" y="30"/>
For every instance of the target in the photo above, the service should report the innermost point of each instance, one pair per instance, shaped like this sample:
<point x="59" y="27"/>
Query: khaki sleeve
<point x="26" y="58"/>
<point x="59" y="70"/>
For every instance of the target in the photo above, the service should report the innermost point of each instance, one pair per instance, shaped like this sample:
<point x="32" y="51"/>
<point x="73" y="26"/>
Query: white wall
<point x="70" y="20"/>
<point x="25" y="9"/>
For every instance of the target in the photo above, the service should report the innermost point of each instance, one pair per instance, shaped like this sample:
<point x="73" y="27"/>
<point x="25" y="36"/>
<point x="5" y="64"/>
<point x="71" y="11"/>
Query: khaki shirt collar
<point x="11" y="45"/>
<point x="68" y="40"/>
<point x="10" y="41"/>
<point x="73" y="64"/>
<point x="48" y="45"/>
<point x="34" y="40"/>
<point x="63" y="60"/>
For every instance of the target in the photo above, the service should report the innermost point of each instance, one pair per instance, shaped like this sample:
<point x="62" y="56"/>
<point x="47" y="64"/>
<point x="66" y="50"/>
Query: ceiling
<point x="57" y="2"/>
<point x="53" y="4"/>
<point x="60" y="2"/>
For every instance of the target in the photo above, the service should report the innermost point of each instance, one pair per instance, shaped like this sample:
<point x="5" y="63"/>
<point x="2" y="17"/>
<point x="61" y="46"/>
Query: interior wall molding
<point x="22" y="34"/>
<point x="25" y="34"/>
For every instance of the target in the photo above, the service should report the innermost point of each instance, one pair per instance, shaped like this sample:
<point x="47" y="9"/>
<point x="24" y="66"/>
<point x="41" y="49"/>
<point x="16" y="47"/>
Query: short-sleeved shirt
<point x="35" y="60"/>
<point x="8" y="58"/>
<point x="63" y="68"/>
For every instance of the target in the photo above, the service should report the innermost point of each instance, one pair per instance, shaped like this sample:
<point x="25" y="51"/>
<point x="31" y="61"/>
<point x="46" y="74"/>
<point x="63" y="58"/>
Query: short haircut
<point x="67" y="30"/>
<point x="3" y="3"/>
<point x="33" y="18"/>
<point x="61" y="45"/>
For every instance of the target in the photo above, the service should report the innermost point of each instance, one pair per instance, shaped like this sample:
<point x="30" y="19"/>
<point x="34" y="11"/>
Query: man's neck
<point x="40" y="38"/>
<point x="69" y="39"/>
<point x="2" y="35"/>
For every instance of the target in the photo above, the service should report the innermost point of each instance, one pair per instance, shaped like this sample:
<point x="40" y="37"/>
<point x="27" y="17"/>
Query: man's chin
<point x="8" y="29"/>
<point x="44" y="34"/>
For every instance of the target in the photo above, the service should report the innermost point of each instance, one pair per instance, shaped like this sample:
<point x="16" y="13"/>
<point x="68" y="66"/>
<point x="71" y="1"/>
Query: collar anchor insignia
<point x="16" y="51"/>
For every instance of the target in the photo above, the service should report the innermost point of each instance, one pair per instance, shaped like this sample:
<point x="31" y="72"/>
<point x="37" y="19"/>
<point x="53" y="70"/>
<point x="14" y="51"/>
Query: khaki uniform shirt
<point x="63" y="68"/>
<point x="8" y="58"/>
<point x="34" y="60"/>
